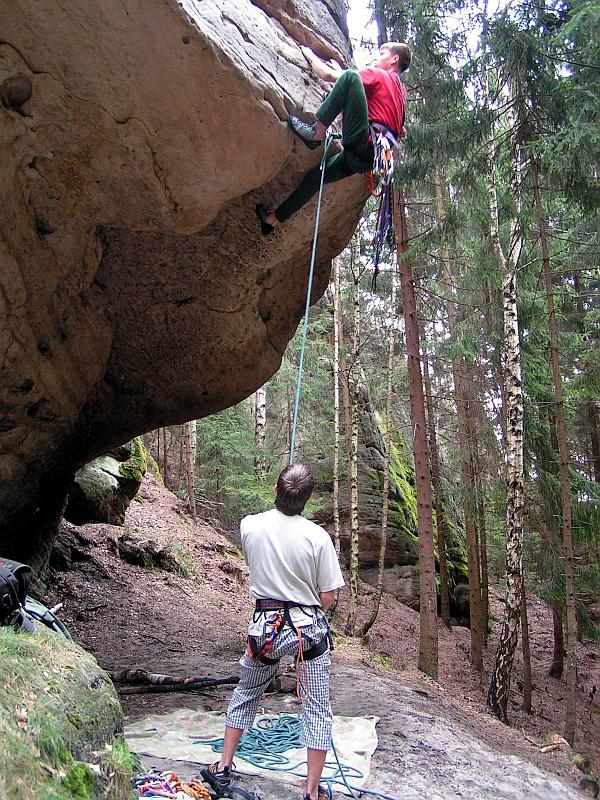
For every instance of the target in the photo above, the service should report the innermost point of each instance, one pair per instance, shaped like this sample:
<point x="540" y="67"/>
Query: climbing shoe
<point x="305" y="132"/>
<point x="262" y="212"/>
<point x="218" y="780"/>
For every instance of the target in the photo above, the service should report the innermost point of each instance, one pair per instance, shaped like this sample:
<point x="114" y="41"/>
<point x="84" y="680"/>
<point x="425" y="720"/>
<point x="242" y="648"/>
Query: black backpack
<point x="19" y="610"/>
<point x="15" y="579"/>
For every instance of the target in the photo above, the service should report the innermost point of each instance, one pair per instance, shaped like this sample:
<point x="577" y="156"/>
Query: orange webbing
<point x="301" y="667"/>
<point x="371" y="182"/>
<point x="193" y="788"/>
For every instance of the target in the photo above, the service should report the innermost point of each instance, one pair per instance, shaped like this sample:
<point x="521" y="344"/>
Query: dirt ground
<point x="193" y="621"/>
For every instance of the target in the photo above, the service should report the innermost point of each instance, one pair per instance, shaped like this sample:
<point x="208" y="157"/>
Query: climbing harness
<point x="275" y="625"/>
<point x="328" y="140"/>
<point x="387" y="148"/>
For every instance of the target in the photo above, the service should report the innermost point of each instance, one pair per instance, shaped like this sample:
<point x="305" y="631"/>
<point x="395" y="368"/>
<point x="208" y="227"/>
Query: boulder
<point x="103" y="489"/>
<point x="136" y="288"/>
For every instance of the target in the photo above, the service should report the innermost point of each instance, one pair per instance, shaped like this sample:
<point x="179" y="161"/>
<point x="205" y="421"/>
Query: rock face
<point x="136" y="289"/>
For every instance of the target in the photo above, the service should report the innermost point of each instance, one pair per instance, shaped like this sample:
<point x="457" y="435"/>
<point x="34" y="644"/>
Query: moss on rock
<point x="135" y="467"/>
<point x="58" y="713"/>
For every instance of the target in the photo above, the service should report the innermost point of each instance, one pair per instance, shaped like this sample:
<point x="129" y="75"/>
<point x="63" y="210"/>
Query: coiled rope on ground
<point x="264" y="747"/>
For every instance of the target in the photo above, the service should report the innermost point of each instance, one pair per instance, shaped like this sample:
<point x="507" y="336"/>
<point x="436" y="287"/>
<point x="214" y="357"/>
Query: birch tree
<point x="508" y="263"/>
<point x="260" y="430"/>
<point x="354" y="378"/>
<point x="190" y="463"/>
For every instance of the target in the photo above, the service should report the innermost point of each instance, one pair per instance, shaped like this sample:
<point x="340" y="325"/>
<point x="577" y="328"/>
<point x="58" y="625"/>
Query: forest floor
<point x="435" y="739"/>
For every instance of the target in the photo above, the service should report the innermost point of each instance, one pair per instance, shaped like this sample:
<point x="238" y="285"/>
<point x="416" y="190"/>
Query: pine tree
<point x="428" y="642"/>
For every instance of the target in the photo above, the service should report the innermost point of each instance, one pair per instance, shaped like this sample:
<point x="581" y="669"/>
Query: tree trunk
<point x="526" y="654"/>
<point x="190" y="463"/>
<point x="483" y="563"/>
<point x="467" y="482"/>
<point x="354" y="400"/>
<point x="440" y="517"/>
<point x="592" y="413"/>
<point x="165" y="465"/>
<point x="336" y="404"/>
<point x="387" y="457"/>
<point x="565" y="486"/>
<point x="558" y="652"/>
<point x="260" y="430"/>
<point x="428" y="644"/>
<point x="499" y="690"/>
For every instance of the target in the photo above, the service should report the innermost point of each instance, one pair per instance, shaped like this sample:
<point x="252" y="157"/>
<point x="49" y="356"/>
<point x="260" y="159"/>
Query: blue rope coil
<point x="265" y="744"/>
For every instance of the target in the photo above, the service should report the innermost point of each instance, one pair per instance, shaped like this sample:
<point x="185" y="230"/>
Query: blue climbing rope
<point x="264" y="747"/>
<point x="328" y="140"/>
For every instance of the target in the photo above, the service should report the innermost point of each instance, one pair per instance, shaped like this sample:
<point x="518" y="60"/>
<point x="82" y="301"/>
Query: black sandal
<point x="323" y="793"/>
<point x="217" y="779"/>
<point x="265" y="227"/>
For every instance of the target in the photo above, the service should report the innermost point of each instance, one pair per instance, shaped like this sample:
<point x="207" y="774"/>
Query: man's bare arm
<point x="328" y="70"/>
<point x="327" y="599"/>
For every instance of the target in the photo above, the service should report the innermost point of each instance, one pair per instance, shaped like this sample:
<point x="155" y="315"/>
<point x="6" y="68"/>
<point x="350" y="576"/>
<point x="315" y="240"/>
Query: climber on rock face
<point x="372" y="96"/>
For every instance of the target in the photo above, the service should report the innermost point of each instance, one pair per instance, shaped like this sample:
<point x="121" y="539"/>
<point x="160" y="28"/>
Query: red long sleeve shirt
<point x="386" y="97"/>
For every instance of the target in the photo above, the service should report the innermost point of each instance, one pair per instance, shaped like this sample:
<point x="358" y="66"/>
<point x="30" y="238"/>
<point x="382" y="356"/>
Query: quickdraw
<point x="387" y="149"/>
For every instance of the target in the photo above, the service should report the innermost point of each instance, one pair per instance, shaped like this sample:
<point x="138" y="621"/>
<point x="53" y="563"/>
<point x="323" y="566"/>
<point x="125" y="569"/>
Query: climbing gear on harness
<point x="305" y="132"/>
<point x="265" y="227"/>
<point x="328" y="140"/>
<point x="386" y="144"/>
<point x="283" y="618"/>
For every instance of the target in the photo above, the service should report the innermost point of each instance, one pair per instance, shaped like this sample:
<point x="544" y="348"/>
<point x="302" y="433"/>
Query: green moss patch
<point x="59" y="720"/>
<point x="136" y="466"/>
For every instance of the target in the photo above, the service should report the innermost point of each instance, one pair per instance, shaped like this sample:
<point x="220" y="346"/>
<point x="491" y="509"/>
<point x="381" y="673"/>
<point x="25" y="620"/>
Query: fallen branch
<point x="179" y="687"/>
<point x="531" y="741"/>
<point x="140" y="676"/>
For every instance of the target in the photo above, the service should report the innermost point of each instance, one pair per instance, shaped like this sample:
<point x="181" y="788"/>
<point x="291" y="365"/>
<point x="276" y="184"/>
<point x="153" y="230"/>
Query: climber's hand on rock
<point x="334" y="65"/>
<point x="307" y="53"/>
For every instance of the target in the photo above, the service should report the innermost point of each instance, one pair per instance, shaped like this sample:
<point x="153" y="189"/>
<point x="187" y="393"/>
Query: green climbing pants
<point x="347" y="97"/>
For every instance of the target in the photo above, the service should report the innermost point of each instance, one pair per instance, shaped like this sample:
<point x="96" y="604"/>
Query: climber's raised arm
<point x="328" y="70"/>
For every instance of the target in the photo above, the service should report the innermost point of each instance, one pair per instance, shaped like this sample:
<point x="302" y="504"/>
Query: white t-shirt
<point x="290" y="558"/>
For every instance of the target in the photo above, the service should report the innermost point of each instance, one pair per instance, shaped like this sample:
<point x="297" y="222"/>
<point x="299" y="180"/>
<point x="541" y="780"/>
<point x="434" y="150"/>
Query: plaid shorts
<point x="255" y="677"/>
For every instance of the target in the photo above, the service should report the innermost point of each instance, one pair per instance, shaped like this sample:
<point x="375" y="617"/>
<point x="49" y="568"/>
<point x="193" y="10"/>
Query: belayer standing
<point x="294" y="576"/>
<point x="374" y="96"/>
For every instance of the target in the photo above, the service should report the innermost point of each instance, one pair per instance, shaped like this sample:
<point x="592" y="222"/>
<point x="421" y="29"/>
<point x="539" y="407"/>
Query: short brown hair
<point x="294" y="487"/>
<point x="401" y="50"/>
